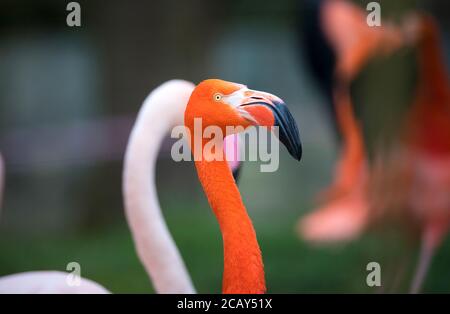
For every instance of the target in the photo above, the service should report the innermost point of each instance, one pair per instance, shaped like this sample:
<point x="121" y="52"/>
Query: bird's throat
<point x="243" y="266"/>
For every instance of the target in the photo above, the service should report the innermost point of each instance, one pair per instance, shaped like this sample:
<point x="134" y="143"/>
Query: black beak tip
<point x="297" y="153"/>
<point x="288" y="130"/>
<point x="295" y="150"/>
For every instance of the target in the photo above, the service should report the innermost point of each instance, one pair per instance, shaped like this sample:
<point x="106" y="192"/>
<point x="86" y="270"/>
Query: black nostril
<point x="255" y="97"/>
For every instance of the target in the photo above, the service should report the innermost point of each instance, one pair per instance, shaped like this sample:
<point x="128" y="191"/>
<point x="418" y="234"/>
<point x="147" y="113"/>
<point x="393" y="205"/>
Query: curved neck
<point x="348" y="124"/>
<point x="154" y="244"/>
<point x="243" y="266"/>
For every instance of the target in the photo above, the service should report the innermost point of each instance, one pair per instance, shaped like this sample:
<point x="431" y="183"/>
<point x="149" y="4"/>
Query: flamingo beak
<point x="265" y="109"/>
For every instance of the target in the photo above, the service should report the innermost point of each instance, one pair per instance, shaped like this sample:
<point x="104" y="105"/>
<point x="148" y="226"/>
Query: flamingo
<point x="427" y="163"/>
<point x="424" y="163"/>
<point x="344" y="213"/>
<point x="426" y="142"/>
<point x="419" y="167"/>
<point x="221" y="104"/>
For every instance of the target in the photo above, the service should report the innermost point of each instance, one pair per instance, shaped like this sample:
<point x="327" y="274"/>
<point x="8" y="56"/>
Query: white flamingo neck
<point x="163" y="109"/>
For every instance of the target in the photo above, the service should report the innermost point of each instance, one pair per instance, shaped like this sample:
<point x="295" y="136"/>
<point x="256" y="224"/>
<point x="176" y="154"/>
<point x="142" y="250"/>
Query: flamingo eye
<point x="217" y="97"/>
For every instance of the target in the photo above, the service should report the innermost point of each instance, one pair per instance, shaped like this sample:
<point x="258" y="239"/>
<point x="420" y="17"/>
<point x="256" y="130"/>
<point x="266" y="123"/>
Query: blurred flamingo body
<point x="344" y="213"/>
<point x="426" y="141"/>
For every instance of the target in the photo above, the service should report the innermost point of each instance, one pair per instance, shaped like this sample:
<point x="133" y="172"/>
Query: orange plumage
<point x="223" y="105"/>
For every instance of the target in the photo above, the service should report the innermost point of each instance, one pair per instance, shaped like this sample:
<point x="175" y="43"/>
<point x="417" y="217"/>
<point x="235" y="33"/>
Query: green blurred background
<point x="68" y="98"/>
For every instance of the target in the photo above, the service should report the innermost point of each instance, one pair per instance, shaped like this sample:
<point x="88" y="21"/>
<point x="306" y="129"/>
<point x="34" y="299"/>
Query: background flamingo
<point x="411" y="182"/>
<point x="351" y="43"/>
<point x="422" y="185"/>
<point x="426" y="133"/>
<point x="162" y="110"/>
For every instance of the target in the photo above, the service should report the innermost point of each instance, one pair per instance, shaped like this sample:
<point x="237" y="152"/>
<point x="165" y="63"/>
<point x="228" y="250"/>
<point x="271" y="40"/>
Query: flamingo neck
<point x="153" y="241"/>
<point x="352" y="158"/>
<point x="349" y="126"/>
<point x="243" y="265"/>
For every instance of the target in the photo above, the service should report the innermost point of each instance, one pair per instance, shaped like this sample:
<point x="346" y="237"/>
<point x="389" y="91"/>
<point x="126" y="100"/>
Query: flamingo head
<point x="231" y="105"/>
